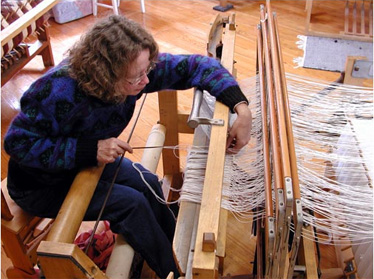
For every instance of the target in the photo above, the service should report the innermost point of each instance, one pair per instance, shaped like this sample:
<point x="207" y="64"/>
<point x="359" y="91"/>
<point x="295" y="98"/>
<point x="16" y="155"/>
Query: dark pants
<point x="132" y="210"/>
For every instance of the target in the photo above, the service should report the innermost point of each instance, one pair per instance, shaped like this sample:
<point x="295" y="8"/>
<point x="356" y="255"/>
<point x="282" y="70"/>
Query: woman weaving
<point x="71" y="117"/>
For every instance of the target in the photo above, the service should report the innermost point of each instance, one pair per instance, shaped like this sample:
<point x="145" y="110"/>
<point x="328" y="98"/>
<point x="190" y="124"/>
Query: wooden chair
<point x="114" y="6"/>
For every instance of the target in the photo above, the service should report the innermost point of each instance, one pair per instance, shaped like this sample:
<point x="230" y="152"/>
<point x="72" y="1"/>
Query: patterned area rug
<point x="330" y="54"/>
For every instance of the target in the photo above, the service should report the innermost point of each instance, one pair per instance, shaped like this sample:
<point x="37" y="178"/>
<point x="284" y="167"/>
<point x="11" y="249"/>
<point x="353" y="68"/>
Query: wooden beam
<point x="185" y="232"/>
<point x="75" y="205"/>
<point x="66" y="260"/>
<point x="205" y="263"/>
<point x="307" y="253"/>
<point x="168" y="109"/>
<point x="349" y="68"/>
<point x="28" y="18"/>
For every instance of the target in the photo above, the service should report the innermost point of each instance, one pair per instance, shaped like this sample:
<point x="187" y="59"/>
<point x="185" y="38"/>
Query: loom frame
<point x="200" y="238"/>
<point x="274" y="102"/>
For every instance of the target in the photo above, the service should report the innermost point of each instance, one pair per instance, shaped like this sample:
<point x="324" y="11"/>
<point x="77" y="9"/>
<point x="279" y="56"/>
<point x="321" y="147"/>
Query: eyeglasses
<point x="137" y="80"/>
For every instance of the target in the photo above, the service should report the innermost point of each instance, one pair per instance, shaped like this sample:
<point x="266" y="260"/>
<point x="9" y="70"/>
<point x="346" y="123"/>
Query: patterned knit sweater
<point x="58" y="128"/>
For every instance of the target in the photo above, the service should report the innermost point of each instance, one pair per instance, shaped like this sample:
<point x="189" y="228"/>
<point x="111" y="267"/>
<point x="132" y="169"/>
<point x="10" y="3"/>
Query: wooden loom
<point x="200" y="237"/>
<point x="201" y="242"/>
<point x="303" y="260"/>
<point x="284" y="255"/>
<point x="279" y="260"/>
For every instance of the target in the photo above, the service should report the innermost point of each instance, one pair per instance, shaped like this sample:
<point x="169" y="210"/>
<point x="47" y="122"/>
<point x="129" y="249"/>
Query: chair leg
<point x="47" y="54"/>
<point x="94" y="7"/>
<point x="143" y="6"/>
<point x="115" y="4"/>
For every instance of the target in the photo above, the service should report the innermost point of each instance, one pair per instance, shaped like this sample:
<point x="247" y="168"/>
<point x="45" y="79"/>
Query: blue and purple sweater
<point x="57" y="131"/>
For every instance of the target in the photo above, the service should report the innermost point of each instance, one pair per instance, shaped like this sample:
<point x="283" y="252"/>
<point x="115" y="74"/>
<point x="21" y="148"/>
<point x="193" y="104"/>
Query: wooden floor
<point x="181" y="26"/>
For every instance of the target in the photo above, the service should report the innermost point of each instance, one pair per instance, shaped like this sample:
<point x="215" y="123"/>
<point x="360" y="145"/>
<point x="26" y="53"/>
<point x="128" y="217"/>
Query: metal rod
<point x="148" y="147"/>
<point x="113" y="181"/>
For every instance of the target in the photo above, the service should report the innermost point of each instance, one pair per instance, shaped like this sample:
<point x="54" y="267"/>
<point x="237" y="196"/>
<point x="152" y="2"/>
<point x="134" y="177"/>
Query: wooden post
<point x="213" y="220"/>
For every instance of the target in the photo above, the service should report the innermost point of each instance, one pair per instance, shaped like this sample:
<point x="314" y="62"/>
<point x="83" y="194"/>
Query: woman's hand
<point x="109" y="149"/>
<point x="240" y="132"/>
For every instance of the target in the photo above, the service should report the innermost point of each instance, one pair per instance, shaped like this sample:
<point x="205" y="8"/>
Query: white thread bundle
<point x="321" y="114"/>
<point x="320" y="121"/>
<point x="243" y="183"/>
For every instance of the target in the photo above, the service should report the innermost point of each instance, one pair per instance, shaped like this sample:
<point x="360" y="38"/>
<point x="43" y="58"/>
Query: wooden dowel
<point x="346" y="17"/>
<point x="151" y="157"/>
<point x="354" y="18"/>
<point x="363" y="18"/>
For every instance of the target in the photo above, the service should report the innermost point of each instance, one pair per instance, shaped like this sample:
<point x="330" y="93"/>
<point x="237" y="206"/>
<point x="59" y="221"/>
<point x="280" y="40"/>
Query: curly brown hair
<point x="102" y="56"/>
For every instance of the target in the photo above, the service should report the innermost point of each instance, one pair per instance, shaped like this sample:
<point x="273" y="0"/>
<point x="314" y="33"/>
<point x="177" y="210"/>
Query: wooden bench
<point x="21" y="234"/>
<point x="15" y="53"/>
